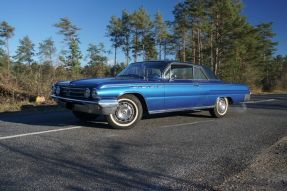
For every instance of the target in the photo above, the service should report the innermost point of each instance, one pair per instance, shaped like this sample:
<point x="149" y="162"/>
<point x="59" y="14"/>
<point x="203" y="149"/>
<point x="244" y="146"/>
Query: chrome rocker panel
<point x="102" y="107"/>
<point x="181" y="109"/>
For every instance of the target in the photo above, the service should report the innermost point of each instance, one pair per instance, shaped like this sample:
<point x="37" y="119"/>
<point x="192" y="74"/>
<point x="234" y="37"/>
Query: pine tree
<point x="161" y="34"/>
<point x="2" y="52"/>
<point x="141" y="26"/>
<point x="25" y="51"/>
<point x="96" y="54"/>
<point x="150" y="52"/>
<point x="97" y="61"/>
<point x="126" y="34"/>
<point x="7" y="32"/>
<point x="267" y="47"/>
<point x="47" y="50"/>
<point x="114" y="29"/>
<point x="181" y="28"/>
<point x="73" y="55"/>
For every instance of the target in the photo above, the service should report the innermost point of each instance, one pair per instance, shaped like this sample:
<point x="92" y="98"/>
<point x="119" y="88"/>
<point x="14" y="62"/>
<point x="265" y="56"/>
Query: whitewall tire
<point x="127" y="114"/>
<point x="221" y="107"/>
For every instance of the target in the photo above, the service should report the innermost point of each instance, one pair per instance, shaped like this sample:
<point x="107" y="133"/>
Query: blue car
<point x="148" y="88"/>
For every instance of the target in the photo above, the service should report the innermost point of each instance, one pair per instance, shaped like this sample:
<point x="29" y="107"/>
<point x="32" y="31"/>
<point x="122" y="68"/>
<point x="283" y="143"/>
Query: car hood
<point x="95" y="82"/>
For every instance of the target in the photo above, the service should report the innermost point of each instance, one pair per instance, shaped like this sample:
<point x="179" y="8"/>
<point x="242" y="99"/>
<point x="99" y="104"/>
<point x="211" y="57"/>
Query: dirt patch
<point x="267" y="172"/>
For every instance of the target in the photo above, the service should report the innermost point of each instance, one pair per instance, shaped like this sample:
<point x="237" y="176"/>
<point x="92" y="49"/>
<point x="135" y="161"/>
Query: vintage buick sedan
<point x="148" y="88"/>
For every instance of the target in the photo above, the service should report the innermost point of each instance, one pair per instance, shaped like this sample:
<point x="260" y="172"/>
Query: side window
<point x="181" y="72"/>
<point x="198" y="74"/>
<point x="153" y="72"/>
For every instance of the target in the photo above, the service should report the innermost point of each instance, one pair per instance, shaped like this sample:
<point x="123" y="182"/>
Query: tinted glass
<point x="143" y="69"/>
<point x="181" y="72"/>
<point x="209" y="73"/>
<point x="198" y="74"/>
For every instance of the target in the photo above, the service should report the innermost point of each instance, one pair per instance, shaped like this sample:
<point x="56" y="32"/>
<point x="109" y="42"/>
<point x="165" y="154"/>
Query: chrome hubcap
<point x="125" y="112"/>
<point x="221" y="105"/>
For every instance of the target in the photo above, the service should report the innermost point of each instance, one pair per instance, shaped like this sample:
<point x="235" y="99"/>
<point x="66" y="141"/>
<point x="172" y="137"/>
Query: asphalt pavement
<point x="177" y="151"/>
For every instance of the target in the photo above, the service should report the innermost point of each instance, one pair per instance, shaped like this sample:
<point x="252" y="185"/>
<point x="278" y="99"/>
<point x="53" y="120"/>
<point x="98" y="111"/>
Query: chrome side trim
<point x="180" y="109"/>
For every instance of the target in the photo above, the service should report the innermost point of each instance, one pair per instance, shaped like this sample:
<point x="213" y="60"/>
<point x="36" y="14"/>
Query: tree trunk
<point x="201" y="48"/>
<point x="136" y="48"/>
<point x="164" y="50"/>
<point x="198" y="46"/>
<point x="127" y="55"/>
<point x="193" y="46"/>
<point x="216" y="49"/>
<point x="127" y="49"/>
<point x="216" y="60"/>
<point x="159" y="51"/>
<point x="211" y="50"/>
<point x="184" y="48"/>
<point x="143" y="47"/>
<point x="143" y="52"/>
<point x="8" y="54"/>
<point x="115" y="56"/>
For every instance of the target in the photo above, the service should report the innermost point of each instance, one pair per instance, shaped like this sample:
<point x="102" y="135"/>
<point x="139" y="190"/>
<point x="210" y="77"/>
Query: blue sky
<point x="36" y="18"/>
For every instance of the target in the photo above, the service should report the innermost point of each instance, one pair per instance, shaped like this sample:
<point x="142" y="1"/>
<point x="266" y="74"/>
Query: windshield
<point x="143" y="70"/>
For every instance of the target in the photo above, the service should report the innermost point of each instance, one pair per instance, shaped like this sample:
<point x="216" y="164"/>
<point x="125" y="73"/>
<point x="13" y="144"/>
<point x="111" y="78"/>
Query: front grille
<point x="73" y="92"/>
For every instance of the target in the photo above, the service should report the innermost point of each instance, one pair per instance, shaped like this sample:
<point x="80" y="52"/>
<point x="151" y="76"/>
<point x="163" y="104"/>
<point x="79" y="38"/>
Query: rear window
<point x="209" y="73"/>
<point x="198" y="74"/>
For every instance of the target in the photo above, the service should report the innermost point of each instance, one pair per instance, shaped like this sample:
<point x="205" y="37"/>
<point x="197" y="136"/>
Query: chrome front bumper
<point x="247" y="97"/>
<point x="103" y="107"/>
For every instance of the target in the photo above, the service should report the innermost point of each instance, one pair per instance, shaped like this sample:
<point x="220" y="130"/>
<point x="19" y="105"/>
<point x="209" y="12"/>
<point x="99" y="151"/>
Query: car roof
<point x="208" y="72"/>
<point x="167" y="62"/>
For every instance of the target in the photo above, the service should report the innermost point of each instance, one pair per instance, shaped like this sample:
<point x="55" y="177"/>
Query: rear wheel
<point x="221" y="107"/>
<point x="85" y="116"/>
<point x="127" y="114"/>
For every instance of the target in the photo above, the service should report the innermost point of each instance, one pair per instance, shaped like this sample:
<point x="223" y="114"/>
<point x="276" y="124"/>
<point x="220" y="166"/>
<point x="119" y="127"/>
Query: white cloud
<point x="111" y="62"/>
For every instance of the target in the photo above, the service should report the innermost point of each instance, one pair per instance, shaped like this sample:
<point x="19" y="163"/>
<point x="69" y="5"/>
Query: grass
<point x="28" y="106"/>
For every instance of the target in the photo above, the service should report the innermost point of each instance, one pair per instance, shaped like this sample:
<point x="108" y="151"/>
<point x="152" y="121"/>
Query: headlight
<point x="87" y="93"/>
<point x="94" y="93"/>
<point x="58" y="90"/>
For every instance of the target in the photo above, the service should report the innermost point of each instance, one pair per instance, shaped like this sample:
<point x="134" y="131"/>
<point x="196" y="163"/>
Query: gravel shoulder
<point x="267" y="172"/>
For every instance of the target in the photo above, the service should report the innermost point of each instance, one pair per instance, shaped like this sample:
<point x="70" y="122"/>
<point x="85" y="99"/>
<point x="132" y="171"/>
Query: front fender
<point x="153" y="94"/>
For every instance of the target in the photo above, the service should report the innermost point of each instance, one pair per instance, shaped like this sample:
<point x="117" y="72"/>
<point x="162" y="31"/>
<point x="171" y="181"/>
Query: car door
<point x="181" y="91"/>
<point x="203" y="82"/>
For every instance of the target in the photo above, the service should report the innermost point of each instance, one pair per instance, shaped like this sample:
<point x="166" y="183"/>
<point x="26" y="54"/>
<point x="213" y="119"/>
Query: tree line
<point x="212" y="33"/>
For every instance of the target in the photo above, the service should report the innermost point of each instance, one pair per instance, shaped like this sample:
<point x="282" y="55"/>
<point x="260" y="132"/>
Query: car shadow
<point x="104" y="167"/>
<point x="65" y="117"/>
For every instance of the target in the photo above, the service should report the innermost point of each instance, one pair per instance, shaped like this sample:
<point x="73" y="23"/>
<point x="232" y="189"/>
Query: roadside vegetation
<point x="212" y="33"/>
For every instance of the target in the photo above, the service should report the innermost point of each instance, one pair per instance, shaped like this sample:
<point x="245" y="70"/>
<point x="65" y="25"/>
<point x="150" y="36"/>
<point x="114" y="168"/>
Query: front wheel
<point x="127" y="114"/>
<point x="221" y="107"/>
